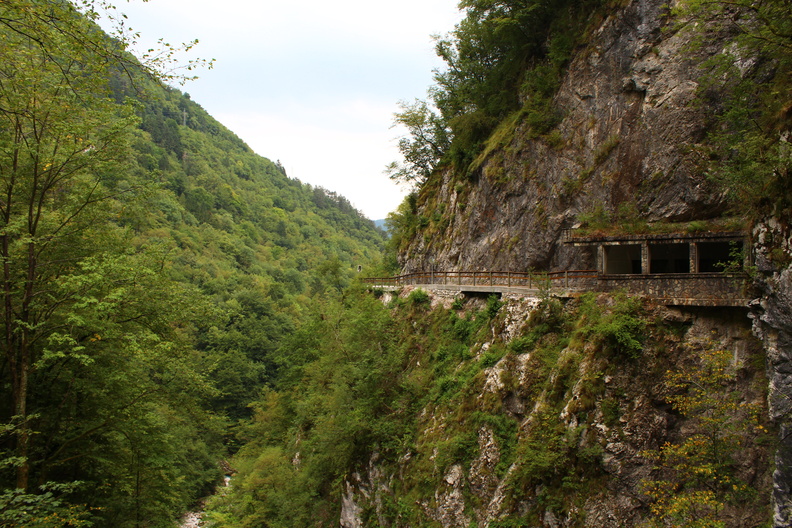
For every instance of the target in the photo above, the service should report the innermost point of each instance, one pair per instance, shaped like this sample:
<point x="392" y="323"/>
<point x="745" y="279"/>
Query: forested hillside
<point x="423" y="410"/>
<point x="260" y="244"/>
<point x="566" y="409"/>
<point x="174" y="303"/>
<point x="152" y="263"/>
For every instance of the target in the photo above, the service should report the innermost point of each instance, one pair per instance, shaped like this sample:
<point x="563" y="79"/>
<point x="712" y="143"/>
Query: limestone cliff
<point x="584" y="419"/>
<point x="772" y="316"/>
<point x="634" y="116"/>
<point x="627" y="139"/>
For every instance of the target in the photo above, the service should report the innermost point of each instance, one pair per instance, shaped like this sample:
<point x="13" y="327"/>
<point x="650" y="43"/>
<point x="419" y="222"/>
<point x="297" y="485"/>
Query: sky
<point x="313" y="84"/>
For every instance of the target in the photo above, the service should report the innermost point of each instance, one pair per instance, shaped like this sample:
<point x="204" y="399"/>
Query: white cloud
<point x="311" y="83"/>
<point x="285" y="27"/>
<point x="346" y="151"/>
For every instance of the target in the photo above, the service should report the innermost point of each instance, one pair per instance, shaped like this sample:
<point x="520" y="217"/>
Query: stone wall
<point x="701" y="289"/>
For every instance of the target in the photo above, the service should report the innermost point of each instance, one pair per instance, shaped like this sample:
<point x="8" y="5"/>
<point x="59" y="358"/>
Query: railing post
<point x="508" y="278"/>
<point x="566" y="279"/>
<point x="530" y="276"/>
<point x="474" y="278"/>
<point x="490" y="279"/>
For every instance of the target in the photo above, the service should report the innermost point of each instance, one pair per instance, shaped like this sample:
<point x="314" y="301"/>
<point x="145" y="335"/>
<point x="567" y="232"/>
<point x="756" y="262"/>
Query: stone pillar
<point x="694" y="268"/>
<point x="645" y="257"/>
<point x="600" y="265"/>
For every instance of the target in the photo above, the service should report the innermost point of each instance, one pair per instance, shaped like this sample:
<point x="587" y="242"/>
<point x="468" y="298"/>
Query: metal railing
<point x="695" y="289"/>
<point x="478" y="278"/>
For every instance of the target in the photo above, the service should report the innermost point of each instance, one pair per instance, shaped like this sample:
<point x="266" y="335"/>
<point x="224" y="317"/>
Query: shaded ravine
<point x="194" y="519"/>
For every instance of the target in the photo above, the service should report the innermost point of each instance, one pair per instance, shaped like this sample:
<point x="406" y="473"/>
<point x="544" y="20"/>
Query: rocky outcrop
<point x="366" y="488"/>
<point x="610" y="415"/>
<point x="627" y="139"/>
<point x="772" y="316"/>
<point x="634" y="119"/>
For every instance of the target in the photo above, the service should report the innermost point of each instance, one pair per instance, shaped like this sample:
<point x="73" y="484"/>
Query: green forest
<point x="177" y="308"/>
<point x="392" y="393"/>
<point x="152" y="266"/>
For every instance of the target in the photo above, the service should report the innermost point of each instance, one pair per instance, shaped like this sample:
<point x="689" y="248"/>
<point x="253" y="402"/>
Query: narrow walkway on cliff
<point x="686" y="269"/>
<point x="491" y="281"/>
<point x="676" y="289"/>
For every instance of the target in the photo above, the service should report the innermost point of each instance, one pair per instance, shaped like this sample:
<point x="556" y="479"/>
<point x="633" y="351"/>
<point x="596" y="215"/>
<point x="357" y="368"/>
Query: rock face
<point x="625" y="141"/>
<point x="368" y="488"/>
<point x="633" y="119"/>
<point x="772" y="316"/>
<point x="615" y="428"/>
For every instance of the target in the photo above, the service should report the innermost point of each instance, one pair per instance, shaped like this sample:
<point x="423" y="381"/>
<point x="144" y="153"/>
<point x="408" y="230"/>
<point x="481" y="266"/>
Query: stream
<point x="191" y="520"/>
<point x="194" y="519"/>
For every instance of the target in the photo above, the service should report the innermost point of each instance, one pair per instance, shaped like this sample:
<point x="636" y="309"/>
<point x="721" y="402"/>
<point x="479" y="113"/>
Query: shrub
<point x="461" y="447"/>
<point x="618" y="329"/>
<point x="419" y="297"/>
<point x="490" y="358"/>
<point x="610" y="412"/>
<point x="622" y="333"/>
<point x="604" y="150"/>
<point x="701" y="469"/>
<point x="597" y="218"/>
<point x="493" y="305"/>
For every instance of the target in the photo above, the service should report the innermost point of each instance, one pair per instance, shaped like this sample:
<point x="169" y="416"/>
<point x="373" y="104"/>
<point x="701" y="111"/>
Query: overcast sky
<point x="313" y="83"/>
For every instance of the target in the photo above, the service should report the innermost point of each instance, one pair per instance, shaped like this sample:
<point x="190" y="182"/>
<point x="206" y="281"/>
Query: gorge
<point x="581" y="316"/>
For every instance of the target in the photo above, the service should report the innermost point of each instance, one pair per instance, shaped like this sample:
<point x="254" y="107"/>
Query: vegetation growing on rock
<point x="681" y="120"/>
<point x="170" y="298"/>
<point x="502" y="414"/>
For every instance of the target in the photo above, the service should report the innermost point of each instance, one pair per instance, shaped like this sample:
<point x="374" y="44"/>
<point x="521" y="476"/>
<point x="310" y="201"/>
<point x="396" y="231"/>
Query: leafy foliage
<point x="340" y="385"/>
<point x="504" y="57"/>
<point x="43" y="510"/>
<point x="353" y="387"/>
<point x="700" y="469"/>
<point x="620" y="329"/>
<point x="748" y="147"/>
<point x="425" y="146"/>
<point x="152" y="264"/>
<point x="403" y="387"/>
<point x="419" y="297"/>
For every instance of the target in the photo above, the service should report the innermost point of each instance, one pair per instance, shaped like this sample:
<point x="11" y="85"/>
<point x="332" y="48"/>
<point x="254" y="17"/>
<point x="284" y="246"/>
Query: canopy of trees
<point x="150" y="264"/>
<point x="504" y="57"/>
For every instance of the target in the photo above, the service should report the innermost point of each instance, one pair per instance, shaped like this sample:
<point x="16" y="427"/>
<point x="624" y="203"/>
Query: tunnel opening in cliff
<point x="716" y="256"/>
<point x="669" y="258"/>
<point x="623" y="259"/>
